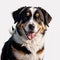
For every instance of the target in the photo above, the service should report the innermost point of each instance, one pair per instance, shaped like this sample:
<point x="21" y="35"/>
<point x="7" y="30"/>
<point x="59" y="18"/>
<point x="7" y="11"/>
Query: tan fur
<point x="21" y="26"/>
<point x="21" y="10"/>
<point x="35" y="45"/>
<point x="41" y="27"/>
<point x="37" y="14"/>
<point x="20" y="52"/>
<point x="28" y="57"/>
<point x="40" y="51"/>
<point x="28" y="13"/>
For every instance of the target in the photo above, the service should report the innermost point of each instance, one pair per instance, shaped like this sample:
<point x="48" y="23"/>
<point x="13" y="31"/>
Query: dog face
<point x="31" y="21"/>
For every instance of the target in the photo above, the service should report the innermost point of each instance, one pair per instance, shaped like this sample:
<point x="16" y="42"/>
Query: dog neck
<point x="32" y="45"/>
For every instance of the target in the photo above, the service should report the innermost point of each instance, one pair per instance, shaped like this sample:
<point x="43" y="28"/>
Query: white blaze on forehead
<point x="32" y="11"/>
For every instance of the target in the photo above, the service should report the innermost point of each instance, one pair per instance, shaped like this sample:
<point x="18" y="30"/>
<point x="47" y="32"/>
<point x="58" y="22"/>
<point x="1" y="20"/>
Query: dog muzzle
<point x="30" y="35"/>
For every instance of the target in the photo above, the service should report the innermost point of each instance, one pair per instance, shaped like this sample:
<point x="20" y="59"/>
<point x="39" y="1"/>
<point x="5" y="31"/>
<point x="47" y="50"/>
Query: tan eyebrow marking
<point x="37" y="14"/>
<point x="28" y="13"/>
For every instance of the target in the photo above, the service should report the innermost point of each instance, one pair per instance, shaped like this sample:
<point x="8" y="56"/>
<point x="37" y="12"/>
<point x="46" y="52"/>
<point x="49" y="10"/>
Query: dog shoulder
<point x="7" y="51"/>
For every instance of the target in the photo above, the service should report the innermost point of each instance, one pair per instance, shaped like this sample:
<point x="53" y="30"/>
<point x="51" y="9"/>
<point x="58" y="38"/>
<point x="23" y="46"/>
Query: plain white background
<point x="52" y="36"/>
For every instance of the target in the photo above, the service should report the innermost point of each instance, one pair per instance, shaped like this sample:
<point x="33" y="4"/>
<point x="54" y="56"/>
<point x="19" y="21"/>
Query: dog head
<point x="31" y="21"/>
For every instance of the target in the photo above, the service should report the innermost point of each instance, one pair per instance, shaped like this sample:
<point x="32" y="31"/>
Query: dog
<point x="26" y="42"/>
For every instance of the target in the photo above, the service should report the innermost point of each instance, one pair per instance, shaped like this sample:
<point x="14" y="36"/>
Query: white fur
<point x="27" y="57"/>
<point x="24" y="57"/>
<point x="12" y="31"/>
<point x="31" y="21"/>
<point x="32" y="45"/>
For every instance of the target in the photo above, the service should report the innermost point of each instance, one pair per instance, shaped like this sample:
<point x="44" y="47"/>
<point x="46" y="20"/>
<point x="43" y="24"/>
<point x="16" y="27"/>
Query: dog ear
<point x="47" y="17"/>
<point x="16" y="14"/>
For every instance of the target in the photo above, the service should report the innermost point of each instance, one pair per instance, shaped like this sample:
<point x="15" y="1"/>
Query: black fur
<point x="47" y="17"/>
<point x="20" y="47"/>
<point x="20" y="15"/>
<point x="15" y="14"/>
<point x="7" y="50"/>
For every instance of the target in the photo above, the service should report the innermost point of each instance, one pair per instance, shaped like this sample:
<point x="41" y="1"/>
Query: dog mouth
<point x="30" y="35"/>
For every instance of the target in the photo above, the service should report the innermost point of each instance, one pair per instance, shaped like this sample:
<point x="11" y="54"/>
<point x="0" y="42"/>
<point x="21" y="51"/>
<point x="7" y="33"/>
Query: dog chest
<point x="23" y="56"/>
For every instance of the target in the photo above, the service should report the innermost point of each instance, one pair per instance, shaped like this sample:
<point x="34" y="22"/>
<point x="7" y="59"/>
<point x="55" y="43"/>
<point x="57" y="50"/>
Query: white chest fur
<point x="22" y="56"/>
<point x="33" y="46"/>
<point x="25" y="56"/>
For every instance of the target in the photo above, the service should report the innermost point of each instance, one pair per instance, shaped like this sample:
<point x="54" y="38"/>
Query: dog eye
<point x="37" y="15"/>
<point x="28" y="13"/>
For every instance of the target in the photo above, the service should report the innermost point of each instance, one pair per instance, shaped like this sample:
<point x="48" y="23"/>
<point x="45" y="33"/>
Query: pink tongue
<point x="31" y="35"/>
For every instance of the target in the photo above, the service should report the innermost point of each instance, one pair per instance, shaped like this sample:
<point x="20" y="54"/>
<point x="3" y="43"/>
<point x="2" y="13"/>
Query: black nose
<point x="31" y="26"/>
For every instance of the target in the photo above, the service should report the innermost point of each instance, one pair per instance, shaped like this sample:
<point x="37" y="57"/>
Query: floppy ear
<point x="16" y="14"/>
<point x="47" y="17"/>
